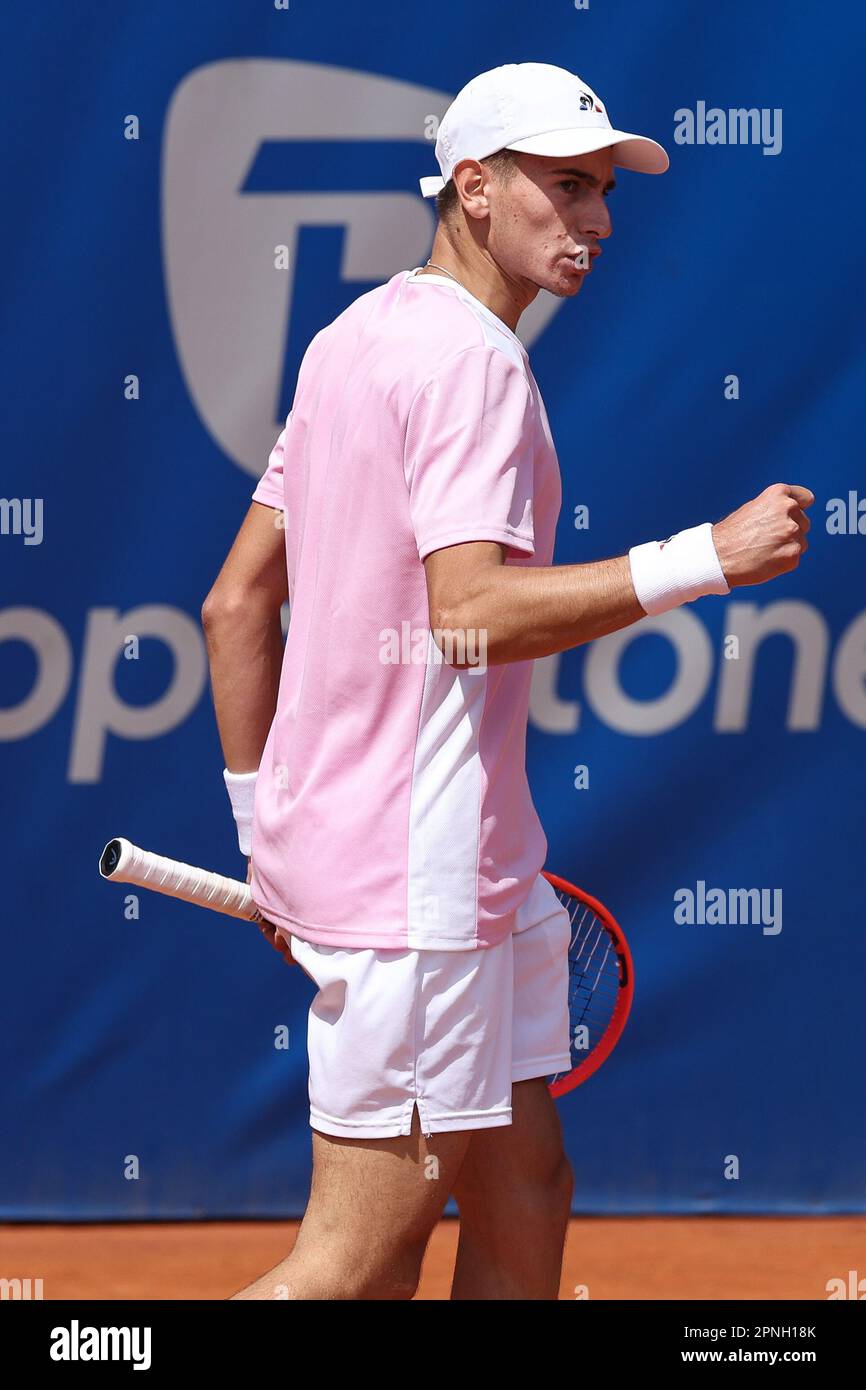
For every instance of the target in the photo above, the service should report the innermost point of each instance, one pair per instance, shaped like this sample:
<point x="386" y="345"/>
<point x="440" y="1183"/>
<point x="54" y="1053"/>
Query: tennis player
<point x="376" y="763"/>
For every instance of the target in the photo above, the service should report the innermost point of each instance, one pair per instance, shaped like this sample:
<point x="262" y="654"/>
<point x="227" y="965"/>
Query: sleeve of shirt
<point x="468" y="457"/>
<point x="269" y="489"/>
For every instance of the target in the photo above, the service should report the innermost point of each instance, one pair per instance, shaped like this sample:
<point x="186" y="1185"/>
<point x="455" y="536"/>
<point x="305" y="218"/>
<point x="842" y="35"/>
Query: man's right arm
<point x="533" y="611"/>
<point x="527" y="611"/>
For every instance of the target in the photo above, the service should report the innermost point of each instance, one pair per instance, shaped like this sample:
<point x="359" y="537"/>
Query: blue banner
<point x="702" y="773"/>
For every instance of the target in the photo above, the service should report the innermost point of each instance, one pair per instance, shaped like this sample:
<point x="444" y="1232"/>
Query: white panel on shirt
<point x="444" y="807"/>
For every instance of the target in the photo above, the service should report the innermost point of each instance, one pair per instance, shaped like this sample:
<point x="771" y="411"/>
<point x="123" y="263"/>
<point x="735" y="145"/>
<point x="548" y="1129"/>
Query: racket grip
<point x="123" y="862"/>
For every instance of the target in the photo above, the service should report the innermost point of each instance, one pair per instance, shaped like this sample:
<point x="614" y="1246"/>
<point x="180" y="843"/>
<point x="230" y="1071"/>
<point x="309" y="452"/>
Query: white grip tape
<point x="678" y="570"/>
<point x="177" y="880"/>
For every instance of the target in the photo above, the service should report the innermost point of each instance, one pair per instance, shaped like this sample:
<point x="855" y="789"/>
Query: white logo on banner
<point x="229" y="308"/>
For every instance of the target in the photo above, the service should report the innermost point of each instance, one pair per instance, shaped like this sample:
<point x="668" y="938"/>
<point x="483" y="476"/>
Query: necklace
<point x="447" y="272"/>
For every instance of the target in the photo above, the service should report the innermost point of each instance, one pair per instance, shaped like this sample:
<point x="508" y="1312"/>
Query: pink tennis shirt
<point x="392" y="807"/>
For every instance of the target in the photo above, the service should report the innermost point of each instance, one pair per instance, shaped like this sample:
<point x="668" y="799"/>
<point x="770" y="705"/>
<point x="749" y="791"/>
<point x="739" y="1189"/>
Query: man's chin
<point x="565" y="286"/>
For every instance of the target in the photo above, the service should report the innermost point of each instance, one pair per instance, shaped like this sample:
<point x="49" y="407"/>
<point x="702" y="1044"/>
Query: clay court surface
<point x="615" y="1258"/>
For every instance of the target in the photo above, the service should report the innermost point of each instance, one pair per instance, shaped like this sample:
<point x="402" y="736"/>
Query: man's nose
<point x="596" y="220"/>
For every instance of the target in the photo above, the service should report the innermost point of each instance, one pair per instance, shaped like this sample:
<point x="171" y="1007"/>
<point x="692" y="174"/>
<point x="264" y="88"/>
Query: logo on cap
<point x="587" y="103"/>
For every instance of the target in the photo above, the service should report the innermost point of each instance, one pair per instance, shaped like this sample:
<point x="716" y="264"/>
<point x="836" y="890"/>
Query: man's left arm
<point x="243" y="635"/>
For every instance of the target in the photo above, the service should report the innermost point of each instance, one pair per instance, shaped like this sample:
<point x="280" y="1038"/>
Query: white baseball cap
<point x="537" y="108"/>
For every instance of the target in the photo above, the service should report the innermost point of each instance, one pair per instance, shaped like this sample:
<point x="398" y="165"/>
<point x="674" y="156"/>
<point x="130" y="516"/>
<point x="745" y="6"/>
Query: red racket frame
<point x="612" y="1034"/>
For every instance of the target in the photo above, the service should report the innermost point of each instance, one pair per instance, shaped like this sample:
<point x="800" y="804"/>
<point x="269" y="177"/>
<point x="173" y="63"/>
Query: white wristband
<point x="242" y="792"/>
<point x="678" y="570"/>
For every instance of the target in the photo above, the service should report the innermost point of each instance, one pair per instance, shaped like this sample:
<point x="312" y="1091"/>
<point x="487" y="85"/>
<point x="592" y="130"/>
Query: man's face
<point x="550" y="209"/>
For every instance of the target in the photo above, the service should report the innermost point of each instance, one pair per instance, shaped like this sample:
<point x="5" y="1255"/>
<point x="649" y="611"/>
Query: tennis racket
<point x="600" y="984"/>
<point x="601" y="977"/>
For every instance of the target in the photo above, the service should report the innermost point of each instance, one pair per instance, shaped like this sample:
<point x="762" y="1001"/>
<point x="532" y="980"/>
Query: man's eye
<point x="569" y="184"/>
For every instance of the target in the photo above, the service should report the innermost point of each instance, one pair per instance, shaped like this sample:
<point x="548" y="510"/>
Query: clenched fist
<point x="765" y="537"/>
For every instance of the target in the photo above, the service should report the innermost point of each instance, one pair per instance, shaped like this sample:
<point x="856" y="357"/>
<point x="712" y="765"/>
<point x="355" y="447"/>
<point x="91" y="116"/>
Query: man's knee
<point x="357" y="1269"/>
<point x="562" y="1187"/>
<point x="547" y="1197"/>
<point x="393" y="1274"/>
<point x="539" y="1201"/>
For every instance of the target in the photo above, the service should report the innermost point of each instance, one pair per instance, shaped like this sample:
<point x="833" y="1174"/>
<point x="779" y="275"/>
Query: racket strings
<point x="587" y="939"/>
<point x="594" y="978"/>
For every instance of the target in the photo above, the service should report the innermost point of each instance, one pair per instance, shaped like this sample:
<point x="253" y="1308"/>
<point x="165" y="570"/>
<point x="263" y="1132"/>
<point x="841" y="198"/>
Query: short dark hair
<point x="502" y="163"/>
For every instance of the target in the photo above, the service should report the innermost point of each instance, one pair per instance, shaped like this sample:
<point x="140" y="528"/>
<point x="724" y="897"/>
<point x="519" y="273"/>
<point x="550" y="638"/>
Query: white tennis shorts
<point x="446" y="1031"/>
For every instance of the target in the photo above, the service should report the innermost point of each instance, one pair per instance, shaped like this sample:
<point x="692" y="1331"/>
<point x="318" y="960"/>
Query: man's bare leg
<point x="514" y="1195"/>
<point x="372" y="1207"/>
